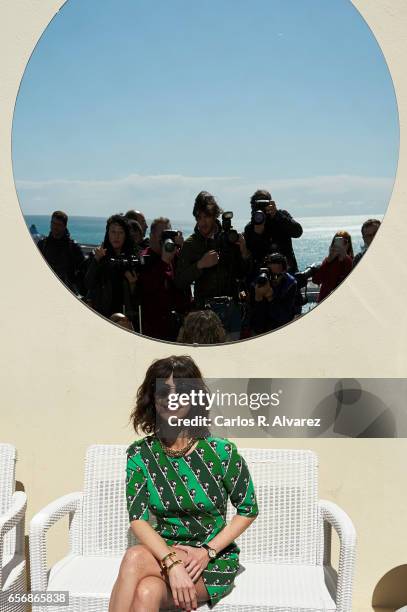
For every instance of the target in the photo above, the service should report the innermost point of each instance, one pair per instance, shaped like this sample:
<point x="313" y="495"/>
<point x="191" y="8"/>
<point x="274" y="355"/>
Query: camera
<point x="168" y="240"/>
<point x="303" y="277"/>
<point x="229" y="232"/>
<point x="133" y="263"/>
<point x="339" y="242"/>
<point x="263" y="277"/>
<point x="258" y="215"/>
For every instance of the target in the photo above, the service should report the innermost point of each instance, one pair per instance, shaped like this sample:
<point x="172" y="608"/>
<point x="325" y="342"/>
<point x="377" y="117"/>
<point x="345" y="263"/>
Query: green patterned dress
<point x="188" y="497"/>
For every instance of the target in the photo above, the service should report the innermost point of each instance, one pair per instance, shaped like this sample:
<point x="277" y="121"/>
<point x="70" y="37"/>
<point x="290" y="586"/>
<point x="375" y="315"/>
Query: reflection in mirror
<point x="255" y="169"/>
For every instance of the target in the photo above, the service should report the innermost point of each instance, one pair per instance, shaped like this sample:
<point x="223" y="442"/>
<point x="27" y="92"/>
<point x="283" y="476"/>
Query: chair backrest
<point x="286" y="485"/>
<point x="286" y="488"/>
<point x="105" y="521"/>
<point x="8" y="458"/>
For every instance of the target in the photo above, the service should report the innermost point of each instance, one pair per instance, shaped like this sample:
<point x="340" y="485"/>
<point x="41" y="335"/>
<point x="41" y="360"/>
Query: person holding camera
<point x="271" y="230"/>
<point x="274" y="295"/>
<point x="162" y="303"/>
<point x="215" y="258"/>
<point x="110" y="279"/>
<point x="336" y="267"/>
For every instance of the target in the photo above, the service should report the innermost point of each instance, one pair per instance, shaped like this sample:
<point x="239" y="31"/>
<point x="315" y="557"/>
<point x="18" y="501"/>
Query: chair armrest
<point x="10" y="519"/>
<point x="39" y="525"/>
<point x="334" y="516"/>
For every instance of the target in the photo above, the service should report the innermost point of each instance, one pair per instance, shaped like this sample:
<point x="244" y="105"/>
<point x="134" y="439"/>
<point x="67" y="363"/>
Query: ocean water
<point x="312" y="247"/>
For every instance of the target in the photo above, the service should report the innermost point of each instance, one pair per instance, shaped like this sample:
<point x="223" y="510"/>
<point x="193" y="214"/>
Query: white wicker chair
<point x="286" y="552"/>
<point x="12" y="515"/>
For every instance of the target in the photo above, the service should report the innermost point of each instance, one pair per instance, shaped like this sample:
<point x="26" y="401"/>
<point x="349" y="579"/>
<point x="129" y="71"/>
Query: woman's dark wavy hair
<point x="128" y="243"/>
<point x="202" y="327"/>
<point x="144" y="415"/>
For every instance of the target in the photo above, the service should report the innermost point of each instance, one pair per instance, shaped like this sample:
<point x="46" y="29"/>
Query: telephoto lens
<point x="259" y="217"/>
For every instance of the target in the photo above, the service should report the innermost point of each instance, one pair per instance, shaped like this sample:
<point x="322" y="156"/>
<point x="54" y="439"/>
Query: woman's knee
<point x="135" y="559"/>
<point x="149" y="591"/>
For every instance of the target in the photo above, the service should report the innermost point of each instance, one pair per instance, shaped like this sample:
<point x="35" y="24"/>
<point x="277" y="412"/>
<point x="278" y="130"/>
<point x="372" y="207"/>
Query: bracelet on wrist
<point x="168" y="556"/>
<point x="173" y="563"/>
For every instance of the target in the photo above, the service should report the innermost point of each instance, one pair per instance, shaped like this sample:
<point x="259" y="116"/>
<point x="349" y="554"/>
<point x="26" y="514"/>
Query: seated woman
<point x="111" y="286"/>
<point x="184" y="477"/>
<point x="336" y="267"/>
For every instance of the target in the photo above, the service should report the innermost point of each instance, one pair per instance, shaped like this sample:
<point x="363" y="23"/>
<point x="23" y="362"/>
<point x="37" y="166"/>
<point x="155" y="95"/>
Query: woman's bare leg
<point x="150" y="592"/>
<point x="140" y="585"/>
<point x="137" y="563"/>
<point x="153" y="593"/>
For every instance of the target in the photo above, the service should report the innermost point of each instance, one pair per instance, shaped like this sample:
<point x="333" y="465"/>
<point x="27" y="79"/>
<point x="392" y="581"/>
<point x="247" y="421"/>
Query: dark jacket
<point x="220" y="280"/>
<point x="65" y="257"/>
<point x="108" y="291"/>
<point x="358" y="257"/>
<point x="267" y="316"/>
<point x="160" y="298"/>
<point x="276" y="238"/>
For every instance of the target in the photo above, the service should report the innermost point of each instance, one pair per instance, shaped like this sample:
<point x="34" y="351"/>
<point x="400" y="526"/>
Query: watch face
<point x="212" y="553"/>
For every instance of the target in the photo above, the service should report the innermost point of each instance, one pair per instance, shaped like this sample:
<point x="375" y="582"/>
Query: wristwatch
<point x="211" y="551"/>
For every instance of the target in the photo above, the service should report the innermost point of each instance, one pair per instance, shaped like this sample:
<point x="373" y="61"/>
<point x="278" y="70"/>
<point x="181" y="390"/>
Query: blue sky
<point x="141" y="103"/>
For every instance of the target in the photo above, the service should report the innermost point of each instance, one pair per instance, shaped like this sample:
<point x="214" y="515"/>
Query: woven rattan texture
<point x="12" y="515"/>
<point x="292" y="531"/>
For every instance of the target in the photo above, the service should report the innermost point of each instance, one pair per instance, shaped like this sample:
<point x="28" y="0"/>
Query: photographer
<point x="216" y="260"/>
<point x="335" y="268"/>
<point x="162" y="303"/>
<point x="271" y="230"/>
<point x="110" y="282"/>
<point x="275" y="292"/>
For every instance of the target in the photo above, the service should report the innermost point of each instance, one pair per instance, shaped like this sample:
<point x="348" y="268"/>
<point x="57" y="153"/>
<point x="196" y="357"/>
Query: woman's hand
<point x="333" y="253"/>
<point x="99" y="252"/>
<point x="196" y="561"/>
<point x="182" y="588"/>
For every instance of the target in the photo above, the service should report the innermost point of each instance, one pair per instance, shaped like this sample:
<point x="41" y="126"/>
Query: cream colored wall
<point x="68" y="378"/>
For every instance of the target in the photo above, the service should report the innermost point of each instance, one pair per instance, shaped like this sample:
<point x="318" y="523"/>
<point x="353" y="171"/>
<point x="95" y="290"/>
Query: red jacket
<point x="331" y="274"/>
<point x="159" y="296"/>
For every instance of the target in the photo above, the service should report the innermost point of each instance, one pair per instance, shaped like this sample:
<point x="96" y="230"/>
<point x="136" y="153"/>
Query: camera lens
<point x="259" y="217"/>
<point x="169" y="246"/>
<point x="233" y="236"/>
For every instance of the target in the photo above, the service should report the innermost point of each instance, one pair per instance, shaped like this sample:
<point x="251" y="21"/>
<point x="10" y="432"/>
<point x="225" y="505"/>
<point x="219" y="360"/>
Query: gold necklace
<point x="178" y="452"/>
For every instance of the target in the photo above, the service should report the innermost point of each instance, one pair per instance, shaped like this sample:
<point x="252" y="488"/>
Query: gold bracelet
<point x="163" y="560"/>
<point x="173" y="563"/>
